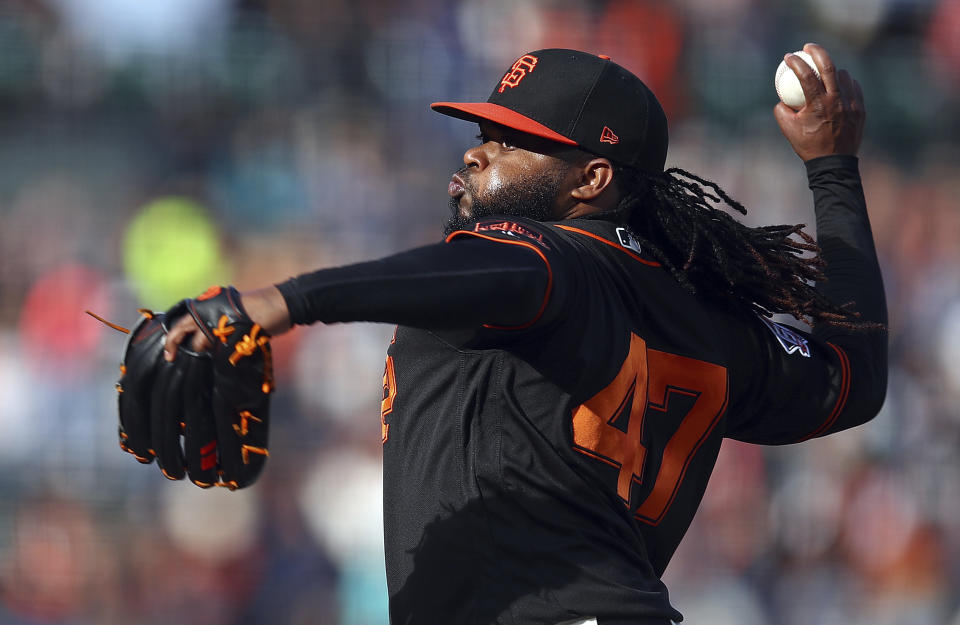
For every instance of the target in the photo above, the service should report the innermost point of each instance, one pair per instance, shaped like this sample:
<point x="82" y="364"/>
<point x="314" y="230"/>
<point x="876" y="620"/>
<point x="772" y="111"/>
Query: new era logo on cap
<point x="576" y="98"/>
<point x="607" y="136"/>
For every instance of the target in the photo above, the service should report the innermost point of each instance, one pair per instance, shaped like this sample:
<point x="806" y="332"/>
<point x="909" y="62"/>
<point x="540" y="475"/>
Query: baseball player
<point x="568" y="360"/>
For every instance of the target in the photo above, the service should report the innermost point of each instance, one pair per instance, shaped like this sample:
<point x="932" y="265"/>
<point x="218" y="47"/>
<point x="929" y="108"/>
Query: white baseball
<point x="788" y="85"/>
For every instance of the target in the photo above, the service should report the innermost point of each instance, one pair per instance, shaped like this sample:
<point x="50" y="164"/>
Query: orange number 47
<point x="637" y="396"/>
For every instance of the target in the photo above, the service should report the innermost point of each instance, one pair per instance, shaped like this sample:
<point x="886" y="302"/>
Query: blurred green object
<point x="171" y="250"/>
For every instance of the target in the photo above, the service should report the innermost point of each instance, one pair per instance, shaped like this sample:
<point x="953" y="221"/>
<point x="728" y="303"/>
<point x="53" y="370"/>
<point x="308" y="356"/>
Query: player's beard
<point x="532" y="198"/>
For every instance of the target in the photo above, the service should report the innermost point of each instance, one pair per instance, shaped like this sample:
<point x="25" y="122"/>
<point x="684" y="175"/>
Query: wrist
<point x="267" y="308"/>
<point x="831" y="162"/>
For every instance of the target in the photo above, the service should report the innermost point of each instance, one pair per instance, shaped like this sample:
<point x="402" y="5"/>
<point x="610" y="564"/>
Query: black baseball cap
<point x="576" y="98"/>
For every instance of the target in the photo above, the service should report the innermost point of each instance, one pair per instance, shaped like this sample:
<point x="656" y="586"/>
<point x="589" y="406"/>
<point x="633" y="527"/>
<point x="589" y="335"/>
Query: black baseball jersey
<point x="546" y="470"/>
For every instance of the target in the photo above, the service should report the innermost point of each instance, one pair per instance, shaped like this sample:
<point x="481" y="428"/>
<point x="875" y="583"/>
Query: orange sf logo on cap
<point x="518" y="72"/>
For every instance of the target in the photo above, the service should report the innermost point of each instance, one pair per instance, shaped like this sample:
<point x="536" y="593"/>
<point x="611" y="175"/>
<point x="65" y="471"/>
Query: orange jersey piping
<point x="841" y="400"/>
<point x="632" y="255"/>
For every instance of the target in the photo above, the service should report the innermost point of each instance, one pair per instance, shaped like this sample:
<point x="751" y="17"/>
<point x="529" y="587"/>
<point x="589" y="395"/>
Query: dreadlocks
<point x="767" y="269"/>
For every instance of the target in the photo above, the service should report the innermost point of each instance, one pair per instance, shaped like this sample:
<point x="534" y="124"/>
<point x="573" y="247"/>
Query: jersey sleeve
<point x="501" y="278"/>
<point x="805" y="385"/>
<point x="801" y="388"/>
<point x="554" y="252"/>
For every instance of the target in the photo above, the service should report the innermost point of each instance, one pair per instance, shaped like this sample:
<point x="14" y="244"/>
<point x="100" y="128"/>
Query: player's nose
<point x="476" y="157"/>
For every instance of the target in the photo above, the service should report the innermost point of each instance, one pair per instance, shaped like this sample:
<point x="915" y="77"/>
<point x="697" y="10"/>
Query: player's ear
<point x="594" y="180"/>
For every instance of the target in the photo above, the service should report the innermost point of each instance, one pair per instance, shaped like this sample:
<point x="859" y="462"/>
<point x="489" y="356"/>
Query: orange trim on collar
<point x="632" y="255"/>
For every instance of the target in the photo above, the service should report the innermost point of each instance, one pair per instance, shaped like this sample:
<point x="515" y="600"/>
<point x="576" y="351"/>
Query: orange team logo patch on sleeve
<point x="521" y="67"/>
<point x="608" y="136"/>
<point x="512" y="228"/>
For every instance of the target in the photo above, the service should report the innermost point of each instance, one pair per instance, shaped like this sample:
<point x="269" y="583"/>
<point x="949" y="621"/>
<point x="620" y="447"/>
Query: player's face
<point x="509" y="173"/>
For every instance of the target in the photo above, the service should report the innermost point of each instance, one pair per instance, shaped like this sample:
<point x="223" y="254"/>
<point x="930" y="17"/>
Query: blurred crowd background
<point x="149" y="149"/>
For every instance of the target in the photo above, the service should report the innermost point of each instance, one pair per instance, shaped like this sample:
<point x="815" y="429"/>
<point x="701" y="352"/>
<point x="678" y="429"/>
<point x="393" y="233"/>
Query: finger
<point x="241" y="409"/>
<point x="847" y="92"/>
<point x="200" y="343"/>
<point x="199" y="433"/>
<point x="172" y="342"/>
<point x="809" y="82"/>
<point x="166" y="402"/>
<point x="177" y="333"/>
<point x="140" y="358"/>
<point x="785" y="116"/>
<point x="858" y="103"/>
<point x="828" y="71"/>
<point x="134" y="430"/>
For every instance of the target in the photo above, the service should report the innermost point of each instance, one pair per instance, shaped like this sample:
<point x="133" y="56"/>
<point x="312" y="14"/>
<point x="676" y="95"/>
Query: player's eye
<point x="504" y="142"/>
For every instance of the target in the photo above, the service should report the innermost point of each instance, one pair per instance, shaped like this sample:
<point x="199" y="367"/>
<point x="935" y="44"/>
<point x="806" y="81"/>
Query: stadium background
<point x="148" y="149"/>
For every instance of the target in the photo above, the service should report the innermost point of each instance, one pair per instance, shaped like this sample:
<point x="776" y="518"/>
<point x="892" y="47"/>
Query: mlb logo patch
<point x="627" y="241"/>
<point x="791" y="341"/>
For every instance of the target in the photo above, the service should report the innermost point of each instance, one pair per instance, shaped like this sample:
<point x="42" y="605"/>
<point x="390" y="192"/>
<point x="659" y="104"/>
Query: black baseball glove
<point x="205" y="415"/>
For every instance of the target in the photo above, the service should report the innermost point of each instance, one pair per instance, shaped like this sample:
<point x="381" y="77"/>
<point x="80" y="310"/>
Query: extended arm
<point x="813" y="385"/>
<point x="447" y="285"/>
<point x="465" y="283"/>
